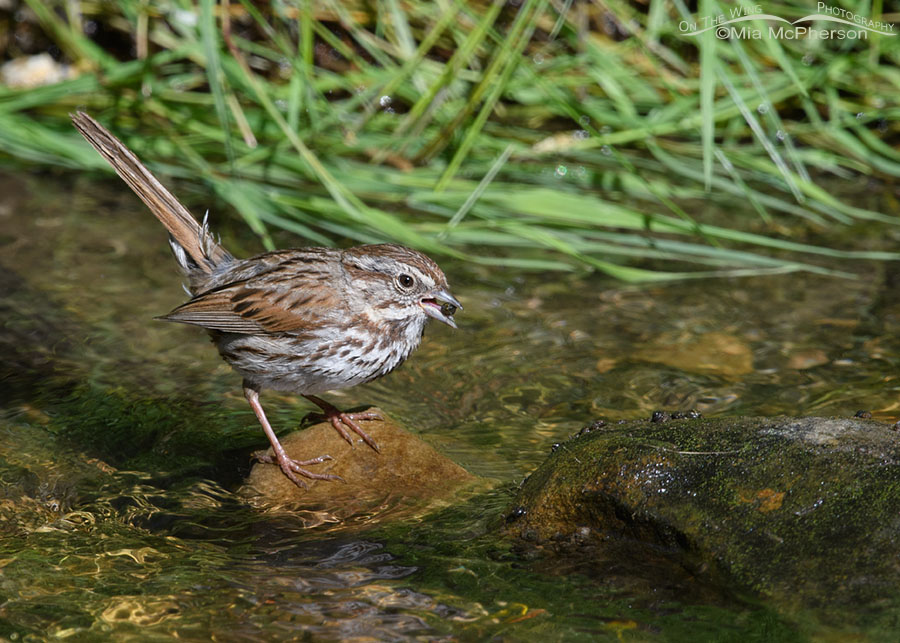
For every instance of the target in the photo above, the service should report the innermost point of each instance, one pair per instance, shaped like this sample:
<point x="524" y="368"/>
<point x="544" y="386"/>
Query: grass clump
<point x="545" y="135"/>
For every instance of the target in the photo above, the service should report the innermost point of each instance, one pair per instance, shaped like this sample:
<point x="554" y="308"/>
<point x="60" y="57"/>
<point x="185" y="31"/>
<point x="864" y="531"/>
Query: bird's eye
<point x="405" y="281"/>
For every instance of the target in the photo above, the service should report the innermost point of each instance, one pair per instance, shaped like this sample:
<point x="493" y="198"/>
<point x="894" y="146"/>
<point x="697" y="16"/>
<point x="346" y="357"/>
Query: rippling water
<point x="123" y="442"/>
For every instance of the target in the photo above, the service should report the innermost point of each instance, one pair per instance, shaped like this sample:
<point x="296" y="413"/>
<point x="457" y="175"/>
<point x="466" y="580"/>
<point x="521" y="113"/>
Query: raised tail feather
<point x="204" y="253"/>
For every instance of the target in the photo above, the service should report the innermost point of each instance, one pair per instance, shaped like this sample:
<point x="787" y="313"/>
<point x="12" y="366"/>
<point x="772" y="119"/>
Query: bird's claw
<point x="291" y="467"/>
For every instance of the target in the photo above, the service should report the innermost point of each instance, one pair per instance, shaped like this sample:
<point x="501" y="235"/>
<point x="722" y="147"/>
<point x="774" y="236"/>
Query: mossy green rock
<point x="806" y="510"/>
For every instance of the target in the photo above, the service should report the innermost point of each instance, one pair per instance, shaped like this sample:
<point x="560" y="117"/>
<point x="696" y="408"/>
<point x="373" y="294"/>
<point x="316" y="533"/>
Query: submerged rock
<point x="806" y="510"/>
<point x="715" y="353"/>
<point x="406" y="472"/>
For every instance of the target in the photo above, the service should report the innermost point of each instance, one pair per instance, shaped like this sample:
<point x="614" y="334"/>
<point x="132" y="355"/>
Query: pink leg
<point x="338" y="418"/>
<point x="288" y="466"/>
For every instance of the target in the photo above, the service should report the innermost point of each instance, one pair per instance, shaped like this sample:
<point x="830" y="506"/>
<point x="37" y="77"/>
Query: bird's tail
<point x="195" y="248"/>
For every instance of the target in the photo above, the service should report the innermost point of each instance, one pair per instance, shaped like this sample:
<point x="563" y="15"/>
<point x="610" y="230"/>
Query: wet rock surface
<point x="712" y="353"/>
<point x="407" y="471"/>
<point x="805" y="510"/>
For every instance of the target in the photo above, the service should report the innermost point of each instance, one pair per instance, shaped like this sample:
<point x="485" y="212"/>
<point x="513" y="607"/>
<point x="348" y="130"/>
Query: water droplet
<point x="389" y="110"/>
<point x="281" y="104"/>
<point x="606" y="129"/>
<point x="580" y="135"/>
<point x="185" y="17"/>
<point x="580" y="172"/>
<point x="809" y="59"/>
<point x="763" y="108"/>
<point x="384" y="101"/>
<point x="538" y="59"/>
<point x="561" y="170"/>
<point x="859" y="116"/>
<point x="585" y="120"/>
<point x="606" y="150"/>
<point x="780" y="135"/>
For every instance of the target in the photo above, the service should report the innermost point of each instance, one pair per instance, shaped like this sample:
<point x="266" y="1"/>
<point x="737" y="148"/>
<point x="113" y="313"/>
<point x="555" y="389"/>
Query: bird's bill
<point x="441" y="305"/>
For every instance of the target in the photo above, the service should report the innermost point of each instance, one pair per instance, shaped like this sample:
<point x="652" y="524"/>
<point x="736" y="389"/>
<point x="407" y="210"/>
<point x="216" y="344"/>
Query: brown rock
<point x="803" y="359"/>
<point x="406" y="472"/>
<point x="718" y="353"/>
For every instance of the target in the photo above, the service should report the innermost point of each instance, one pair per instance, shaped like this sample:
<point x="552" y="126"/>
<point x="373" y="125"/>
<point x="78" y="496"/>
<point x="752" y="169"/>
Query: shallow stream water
<point x="123" y="441"/>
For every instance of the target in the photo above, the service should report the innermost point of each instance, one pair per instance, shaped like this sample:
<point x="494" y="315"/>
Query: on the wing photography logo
<point x="841" y="24"/>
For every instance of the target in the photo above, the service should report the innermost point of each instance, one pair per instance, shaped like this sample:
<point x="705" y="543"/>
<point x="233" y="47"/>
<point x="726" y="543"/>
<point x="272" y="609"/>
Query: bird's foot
<point x="291" y="467"/>
<point x="339" y="420"/>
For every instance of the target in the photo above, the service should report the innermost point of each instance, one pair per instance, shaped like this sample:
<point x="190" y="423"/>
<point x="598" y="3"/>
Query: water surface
<point x="123" y="441"/>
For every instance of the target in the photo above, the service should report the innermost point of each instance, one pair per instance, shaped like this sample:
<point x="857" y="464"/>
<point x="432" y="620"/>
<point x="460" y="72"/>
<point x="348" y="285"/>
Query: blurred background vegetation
<point x="539" y="134"/>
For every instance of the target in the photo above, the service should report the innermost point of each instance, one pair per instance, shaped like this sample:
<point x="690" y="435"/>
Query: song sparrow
<point x="304" y="320"/>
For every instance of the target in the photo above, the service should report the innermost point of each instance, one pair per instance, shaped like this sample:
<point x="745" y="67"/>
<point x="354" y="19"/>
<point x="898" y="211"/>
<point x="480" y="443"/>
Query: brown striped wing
<point x="286" y="298"/>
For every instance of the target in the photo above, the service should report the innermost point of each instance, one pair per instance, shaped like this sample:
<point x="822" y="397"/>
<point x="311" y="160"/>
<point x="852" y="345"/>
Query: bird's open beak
<point x="441" y="305"/>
